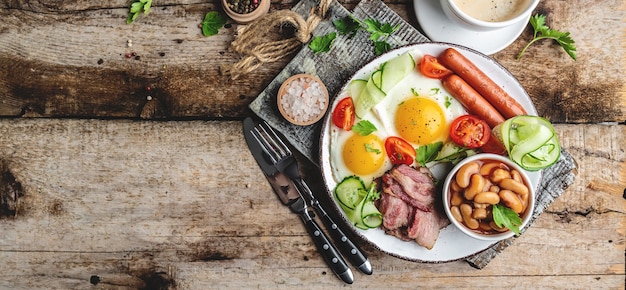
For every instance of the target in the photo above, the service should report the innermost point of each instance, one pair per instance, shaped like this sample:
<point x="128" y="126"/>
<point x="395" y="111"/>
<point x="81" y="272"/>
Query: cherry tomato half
<point x="432" y="68"/>
<point x="399" y="151"/>
<point x="469" y="131"/>
<point x="343" y="115"/>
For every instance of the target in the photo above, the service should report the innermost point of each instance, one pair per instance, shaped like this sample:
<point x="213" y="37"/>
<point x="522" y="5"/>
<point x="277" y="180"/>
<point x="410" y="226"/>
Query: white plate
<point x="452" y="243"/>
<point x="438" y="27"/>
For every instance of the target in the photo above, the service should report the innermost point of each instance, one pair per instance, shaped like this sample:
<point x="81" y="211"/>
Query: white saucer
<point x="438" y="27"/>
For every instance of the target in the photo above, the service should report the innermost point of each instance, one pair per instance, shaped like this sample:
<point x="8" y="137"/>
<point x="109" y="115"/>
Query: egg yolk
<point x="421" y="121"/>
<point x="363" y="154"/>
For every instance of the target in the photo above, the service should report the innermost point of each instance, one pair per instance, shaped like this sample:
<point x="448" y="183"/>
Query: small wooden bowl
<point x="262" y="9"/>
<point x="287" y="114"/>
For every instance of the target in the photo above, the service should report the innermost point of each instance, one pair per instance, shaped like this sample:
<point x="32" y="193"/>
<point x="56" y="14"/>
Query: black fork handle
<point x="326" y="248"/>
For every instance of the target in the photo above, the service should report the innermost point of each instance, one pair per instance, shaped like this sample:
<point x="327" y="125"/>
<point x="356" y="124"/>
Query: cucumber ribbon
<point x="530" y="141"/>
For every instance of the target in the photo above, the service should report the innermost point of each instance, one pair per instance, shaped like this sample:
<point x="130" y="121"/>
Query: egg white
<point x="383" y="117"/>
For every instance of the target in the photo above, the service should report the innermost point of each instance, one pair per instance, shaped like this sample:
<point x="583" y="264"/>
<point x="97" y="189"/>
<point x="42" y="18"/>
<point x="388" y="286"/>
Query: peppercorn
<point x="243" y="6"/>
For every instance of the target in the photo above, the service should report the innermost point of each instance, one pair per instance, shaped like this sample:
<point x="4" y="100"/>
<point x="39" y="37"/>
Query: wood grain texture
<point x="94" y="197"/>
<point x="62" y="59"/>
<point x="183" y="204"/>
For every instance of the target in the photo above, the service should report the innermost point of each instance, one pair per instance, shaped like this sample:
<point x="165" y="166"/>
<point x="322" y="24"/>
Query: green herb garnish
<point x="370" y="148"/>
<point x="364" y="128"/>
<point x="213" y="21"/>
<point x="379" y="32"/>
<point x="428" y="153"/>
<point x="542" y="31"/>
<point x="448" y="102"/>
<point x="136" y="7"/>
<point x="348" y="26"/>
<point x="504" y="216"/>
<point x="322" y="43"/>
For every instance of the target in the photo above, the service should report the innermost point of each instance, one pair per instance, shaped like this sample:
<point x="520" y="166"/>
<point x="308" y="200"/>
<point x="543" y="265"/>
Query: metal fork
<point x="284" y="160"/>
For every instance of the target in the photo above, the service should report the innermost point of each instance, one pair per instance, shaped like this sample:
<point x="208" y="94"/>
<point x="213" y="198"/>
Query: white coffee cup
<point x="488" y="14"/>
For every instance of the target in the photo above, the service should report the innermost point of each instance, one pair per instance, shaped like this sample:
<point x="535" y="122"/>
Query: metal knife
<point x="289" y="195"/>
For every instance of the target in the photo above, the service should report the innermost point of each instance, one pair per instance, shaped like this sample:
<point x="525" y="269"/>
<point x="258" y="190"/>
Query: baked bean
<point x="484" y="226"/>
<point x="488" y="184"/>
<point x="524" y="198"/>
<point x="456" y="198"/>
<point x="456" y="213"/>
<point x="486" y="169"/>
<point x="465" y="172"/>
<point x="499" y="174"/>
<point x="455" y="186"/>
<point x="511" y="200"/>
<point x="468" y="220"/>
<point x="487" y="197"/>
<point x="476" y="185"/>
<point x="496" y="228"/>
<point x="493" y="188"/>
<point x="516" y="175"/>
<point x="480" y="205"/>
<point x="516" y="186"/>
<point x="479" y="213"/>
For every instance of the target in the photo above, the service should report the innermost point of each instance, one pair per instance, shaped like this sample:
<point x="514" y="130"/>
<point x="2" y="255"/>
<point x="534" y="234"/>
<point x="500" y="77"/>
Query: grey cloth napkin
<point x="335" y="67"/>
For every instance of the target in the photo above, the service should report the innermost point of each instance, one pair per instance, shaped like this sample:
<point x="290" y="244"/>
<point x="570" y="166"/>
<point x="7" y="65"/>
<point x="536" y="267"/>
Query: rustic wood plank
<point x="133" y="203"/>
<point x="62" y="59"/>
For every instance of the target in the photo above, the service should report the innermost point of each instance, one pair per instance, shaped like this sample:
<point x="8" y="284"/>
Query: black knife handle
<point x="326" y="249"/>
<point x="345" y="245"/>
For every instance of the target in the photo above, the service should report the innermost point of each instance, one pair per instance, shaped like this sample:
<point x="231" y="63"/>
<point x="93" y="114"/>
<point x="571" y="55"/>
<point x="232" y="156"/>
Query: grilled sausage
<point x="485" y="86"/>
<point x="472" y="100"/>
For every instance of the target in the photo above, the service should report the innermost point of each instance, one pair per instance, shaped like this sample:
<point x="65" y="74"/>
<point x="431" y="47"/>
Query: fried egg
<point x="418" y="109"/>
<point x="353" y="154"/>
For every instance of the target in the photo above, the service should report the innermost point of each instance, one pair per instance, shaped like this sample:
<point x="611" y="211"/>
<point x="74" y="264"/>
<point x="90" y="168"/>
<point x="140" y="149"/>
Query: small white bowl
<point x="525" y="216"/>
<point x="464" y="19"/>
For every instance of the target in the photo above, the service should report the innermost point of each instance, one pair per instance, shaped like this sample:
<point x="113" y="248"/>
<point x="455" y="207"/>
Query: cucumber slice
<point x="381" y="81"/>
<point x="348" y="191"/>
<point x="356" y="87"/>
<point x="370" y="216"/>
<point x="369" y="97"/>
<point x="395" y="70"/>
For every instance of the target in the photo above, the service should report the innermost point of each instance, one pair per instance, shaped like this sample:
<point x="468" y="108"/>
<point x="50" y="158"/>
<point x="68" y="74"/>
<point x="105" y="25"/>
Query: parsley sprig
<point x="350" y="26"/>
<point x="504" y="216"/>
<point x="379" y="33"/>
<point x="322" y="43"/>
<point x="213" y="21"/>
<point x="136" y="7"/>
<point x="542" y="31"/>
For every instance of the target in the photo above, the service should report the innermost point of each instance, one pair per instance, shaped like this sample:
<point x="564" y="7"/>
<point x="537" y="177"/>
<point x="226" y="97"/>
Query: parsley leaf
<point x="542" y="31"/>
<point x="136" y="7"/>
<point x="381" y="47"/>
<point x="448" y="102"/>
<point x="348" y="26"/>
<point x="428" y="153"/>
<point x="213" y="21"/>
<point x="322" y="43"/>
<point x="364" y="128"/>
<point x="379" y="32"/>
<point x="504" y="216"/>
<point x="370" y="148"/>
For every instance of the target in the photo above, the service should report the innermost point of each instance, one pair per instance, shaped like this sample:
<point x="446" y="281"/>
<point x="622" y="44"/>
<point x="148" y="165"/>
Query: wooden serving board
<point x="335" y="67"/>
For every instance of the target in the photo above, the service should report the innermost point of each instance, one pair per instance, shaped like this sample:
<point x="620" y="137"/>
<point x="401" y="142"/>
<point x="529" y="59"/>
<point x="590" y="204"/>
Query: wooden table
<point x="124" y="166"/>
